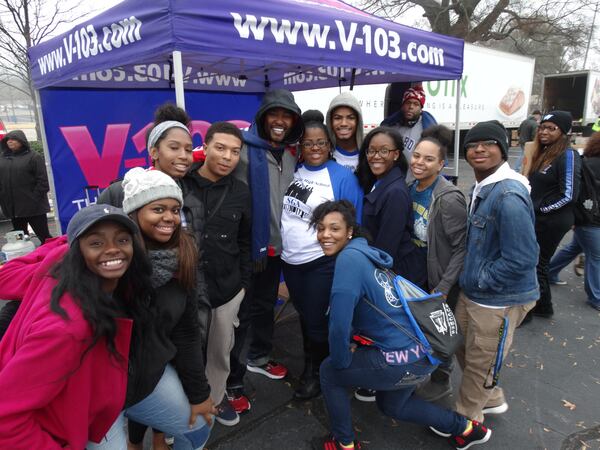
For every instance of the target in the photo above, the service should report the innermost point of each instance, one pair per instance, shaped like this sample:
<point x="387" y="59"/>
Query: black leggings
<point x="549" y="231"/>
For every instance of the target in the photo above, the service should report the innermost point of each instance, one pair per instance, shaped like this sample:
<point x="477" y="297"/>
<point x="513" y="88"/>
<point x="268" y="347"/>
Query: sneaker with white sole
<point x="226" y="415"/>
<point x="440" y="433"/>
<point x="500" y="409"/>
<point x="365" y="395"/>
<point x="271" y="369"/>
<point x="478" y="434"/>
<point x="238" y="400"/>
<point x="558" y="282"/>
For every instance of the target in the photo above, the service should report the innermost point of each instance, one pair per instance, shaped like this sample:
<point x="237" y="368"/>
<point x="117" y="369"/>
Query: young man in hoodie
<point x="498" y="281"/>
<point x="411" y="120"/>
<point x="267" y="164"/>
<point x="345" y="123"/>
<point x="218" y="211"/>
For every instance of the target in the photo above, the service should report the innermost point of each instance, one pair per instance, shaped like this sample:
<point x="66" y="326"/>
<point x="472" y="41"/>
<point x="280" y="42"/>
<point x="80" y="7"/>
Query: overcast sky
<point x="96" y="7"/>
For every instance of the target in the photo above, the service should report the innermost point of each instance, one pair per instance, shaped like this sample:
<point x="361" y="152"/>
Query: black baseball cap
<point x="87" y="217"/>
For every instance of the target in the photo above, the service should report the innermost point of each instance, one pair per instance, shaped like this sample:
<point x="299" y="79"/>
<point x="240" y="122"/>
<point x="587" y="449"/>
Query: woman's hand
<point x="205" y="409"/>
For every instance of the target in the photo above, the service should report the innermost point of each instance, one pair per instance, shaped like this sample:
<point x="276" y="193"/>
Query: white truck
<point x="576" y="92"/>
<point x="495" y="85"/>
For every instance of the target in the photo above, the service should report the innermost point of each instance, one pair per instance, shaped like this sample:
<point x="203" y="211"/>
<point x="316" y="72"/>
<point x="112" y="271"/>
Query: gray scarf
<point x="164" y="265"/>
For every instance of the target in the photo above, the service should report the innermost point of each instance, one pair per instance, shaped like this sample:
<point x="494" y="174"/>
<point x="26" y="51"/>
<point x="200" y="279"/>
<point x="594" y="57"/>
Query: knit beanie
<point x="562" y="119"/>
<point x="145" y="186"/>
<point x="487" y="131"/>
<point x="416" y="93"/>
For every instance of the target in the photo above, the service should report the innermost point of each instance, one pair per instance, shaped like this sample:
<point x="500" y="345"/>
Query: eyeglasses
<point x="321" y="143"/>
<point x="383" y="152"/>
<point x="550" y="128"/>
<point x="485" y="144"/>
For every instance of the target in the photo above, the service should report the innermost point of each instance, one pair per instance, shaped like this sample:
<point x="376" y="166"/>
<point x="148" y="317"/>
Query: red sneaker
<point x="477" y="435"/>
<point x="272" y="370"/>
<point x="330" y="443"/>
<point x="238" y="401"/>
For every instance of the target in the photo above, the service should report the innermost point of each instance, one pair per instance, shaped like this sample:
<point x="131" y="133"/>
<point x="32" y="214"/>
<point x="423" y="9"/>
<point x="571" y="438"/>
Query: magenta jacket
<point x="53" y="395"/>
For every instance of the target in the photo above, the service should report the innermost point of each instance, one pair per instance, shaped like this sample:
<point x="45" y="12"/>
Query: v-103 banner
<point x="95" y="136"/>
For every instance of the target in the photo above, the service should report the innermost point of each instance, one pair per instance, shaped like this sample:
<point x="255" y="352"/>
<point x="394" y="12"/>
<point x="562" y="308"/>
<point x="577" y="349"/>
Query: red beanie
<point x="416" y="93"/>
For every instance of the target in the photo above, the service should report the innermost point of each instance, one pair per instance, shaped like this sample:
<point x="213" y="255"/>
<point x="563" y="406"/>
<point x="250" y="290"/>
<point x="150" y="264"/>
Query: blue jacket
<point x="397" y="119"/>
<point x="387" y="216"/>
<point x="502" y="250"/>
<point x="358" y="274"/>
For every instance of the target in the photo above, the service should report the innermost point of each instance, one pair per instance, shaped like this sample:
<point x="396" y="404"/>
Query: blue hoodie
<point x="358" y="274"/>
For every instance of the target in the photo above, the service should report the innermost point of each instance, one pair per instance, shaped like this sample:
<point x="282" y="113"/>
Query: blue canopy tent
<point x="242" y="47"/>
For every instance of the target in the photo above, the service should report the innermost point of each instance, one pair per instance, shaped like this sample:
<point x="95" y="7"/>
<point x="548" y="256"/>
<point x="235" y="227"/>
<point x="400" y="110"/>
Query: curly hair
<point x="348" y="212"/>
<point x="592" y="148"/>
<point x="440" y="136"/>
<point x="167" y="111"/>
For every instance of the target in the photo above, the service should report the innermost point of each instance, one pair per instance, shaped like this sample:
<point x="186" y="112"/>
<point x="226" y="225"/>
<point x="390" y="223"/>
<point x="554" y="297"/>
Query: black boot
<point x="310" y="386"/>
<point x="438" y="386"/>
<point x="543" y="309"/>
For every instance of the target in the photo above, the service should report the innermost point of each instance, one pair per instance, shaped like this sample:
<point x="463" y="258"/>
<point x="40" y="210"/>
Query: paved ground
<point x="551" y="378"/>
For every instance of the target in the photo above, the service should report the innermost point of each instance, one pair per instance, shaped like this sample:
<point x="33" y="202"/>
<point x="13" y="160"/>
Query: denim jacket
<point x="502" y="250"/>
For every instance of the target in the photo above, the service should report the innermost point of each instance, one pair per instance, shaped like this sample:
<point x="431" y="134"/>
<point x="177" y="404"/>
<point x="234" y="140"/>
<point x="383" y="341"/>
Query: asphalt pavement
<point x="551" y="379"/>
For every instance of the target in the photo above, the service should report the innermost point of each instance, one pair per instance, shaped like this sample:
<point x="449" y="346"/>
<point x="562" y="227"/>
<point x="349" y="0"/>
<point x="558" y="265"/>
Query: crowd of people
<point x="139" y="315"/>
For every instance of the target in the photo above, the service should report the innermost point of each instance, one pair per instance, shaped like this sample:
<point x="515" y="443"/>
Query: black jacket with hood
<point x="23" y="179"/>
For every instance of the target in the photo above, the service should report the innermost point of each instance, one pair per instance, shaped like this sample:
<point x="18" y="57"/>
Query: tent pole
<point x="48" y="162"/>
<point x="457" y="129"/>
<point x="178" y="75"/>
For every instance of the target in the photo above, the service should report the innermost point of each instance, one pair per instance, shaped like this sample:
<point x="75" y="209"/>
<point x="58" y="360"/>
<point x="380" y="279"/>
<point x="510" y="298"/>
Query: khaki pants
<point x="220" y="342"/>
<point x="480" y="326"/>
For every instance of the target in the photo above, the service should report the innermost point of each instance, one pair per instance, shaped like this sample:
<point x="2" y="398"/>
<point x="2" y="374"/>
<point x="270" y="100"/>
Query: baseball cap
<point x="87" y="217"/>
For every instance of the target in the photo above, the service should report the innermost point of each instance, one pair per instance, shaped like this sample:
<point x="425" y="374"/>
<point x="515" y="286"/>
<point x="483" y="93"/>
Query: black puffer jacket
<point x="225" y="237"/>
<point x="23" y="179"/>
<point x="176" y="339"/>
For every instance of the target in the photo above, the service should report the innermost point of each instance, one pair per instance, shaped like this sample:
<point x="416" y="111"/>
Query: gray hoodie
<point x="349" y="100"/>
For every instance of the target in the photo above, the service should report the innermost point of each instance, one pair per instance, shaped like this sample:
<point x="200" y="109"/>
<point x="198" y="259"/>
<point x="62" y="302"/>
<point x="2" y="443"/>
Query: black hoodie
<point x="23" y="179"/>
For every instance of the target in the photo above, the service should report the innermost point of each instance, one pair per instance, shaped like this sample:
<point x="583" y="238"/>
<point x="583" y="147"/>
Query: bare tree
<point x="486" y="20"/>
<point x="23" y="24"/>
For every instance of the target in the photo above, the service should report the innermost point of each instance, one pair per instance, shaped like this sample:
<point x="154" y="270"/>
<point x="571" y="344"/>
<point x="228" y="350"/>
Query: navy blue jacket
<point x="359" y="273"/>
<point x="387" y="216"/>
<point x="397" y="119"/>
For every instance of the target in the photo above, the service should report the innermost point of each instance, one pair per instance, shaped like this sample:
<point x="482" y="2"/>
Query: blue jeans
<point x="167" y="409"/>
<point x="563" y="258"/>
<point x="586" y="239"/>
<point x="395" y="386"/>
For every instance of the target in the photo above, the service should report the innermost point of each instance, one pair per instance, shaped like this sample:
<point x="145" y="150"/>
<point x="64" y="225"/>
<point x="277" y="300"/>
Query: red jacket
<point x="52" y="395"/>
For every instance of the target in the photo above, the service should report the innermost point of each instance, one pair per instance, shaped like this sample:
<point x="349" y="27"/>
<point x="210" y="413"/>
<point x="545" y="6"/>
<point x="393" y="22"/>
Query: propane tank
<point x="17" y="244"/>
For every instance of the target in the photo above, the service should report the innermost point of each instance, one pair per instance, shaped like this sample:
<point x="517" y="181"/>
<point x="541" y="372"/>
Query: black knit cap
<point x="562" y="119"/>
<point x="487" y="131"/>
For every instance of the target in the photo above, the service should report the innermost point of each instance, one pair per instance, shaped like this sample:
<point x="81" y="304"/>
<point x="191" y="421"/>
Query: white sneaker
<point x="500" y="409"/>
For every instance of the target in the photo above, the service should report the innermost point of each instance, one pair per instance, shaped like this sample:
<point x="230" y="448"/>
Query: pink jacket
<point x="52" y="395"/>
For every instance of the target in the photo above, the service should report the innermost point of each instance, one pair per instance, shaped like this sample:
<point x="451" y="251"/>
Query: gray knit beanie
<point x="145" y="186"/>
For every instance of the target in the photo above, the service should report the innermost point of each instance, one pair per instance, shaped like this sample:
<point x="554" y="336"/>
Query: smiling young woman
<point x="307" y="269"/>
<point x="554" y="176"/>
<point x="67" y="349"/>
<point x="361" y="275"/>
<point x="387" y="206"/>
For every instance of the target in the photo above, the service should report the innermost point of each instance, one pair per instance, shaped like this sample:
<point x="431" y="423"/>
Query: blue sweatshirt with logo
<point x="359" y="273"/>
